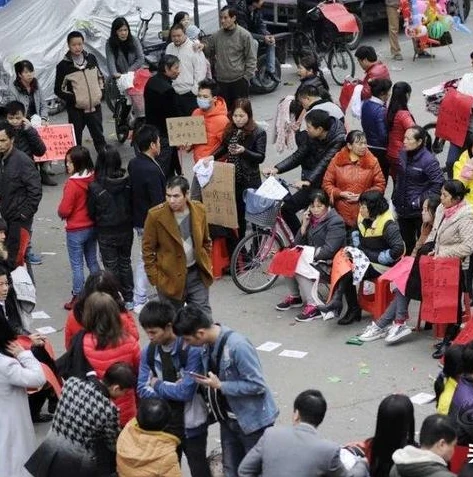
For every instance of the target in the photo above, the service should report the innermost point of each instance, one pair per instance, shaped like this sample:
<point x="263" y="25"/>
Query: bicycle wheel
<point x="122" y="129"/>
<point x="251" y="259"/>
<point x="111" y="94"/>
<point x="340" y="63"/>
<point x="302" y="45"/>
<point x="439" y="146"/>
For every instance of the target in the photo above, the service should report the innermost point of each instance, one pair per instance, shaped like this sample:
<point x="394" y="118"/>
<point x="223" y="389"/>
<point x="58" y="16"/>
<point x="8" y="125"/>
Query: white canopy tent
<point x="37" y="30"/>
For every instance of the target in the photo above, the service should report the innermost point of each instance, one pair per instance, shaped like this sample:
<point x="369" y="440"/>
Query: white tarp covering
<point x="36" y="29"/>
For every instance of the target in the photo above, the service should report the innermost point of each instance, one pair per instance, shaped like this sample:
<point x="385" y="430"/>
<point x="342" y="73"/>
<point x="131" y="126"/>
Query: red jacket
<point x="377" y="70"/>
<point x="403" y="120"/>
<point x="216" y="120"/>
<point x="127" y="351"/>
<point x="73" y="206"/>
<point x="72" y="327"/>
<point x="343" y="175"/>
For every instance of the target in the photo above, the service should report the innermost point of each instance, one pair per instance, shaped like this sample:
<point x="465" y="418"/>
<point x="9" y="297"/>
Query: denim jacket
<point x="185" y="389"/>
<point x="243" y="383"/>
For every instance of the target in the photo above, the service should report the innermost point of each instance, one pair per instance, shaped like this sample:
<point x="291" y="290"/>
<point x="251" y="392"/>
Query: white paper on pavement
<point x="268" y="346"/>
<point x="272" y="189"/>
<point x="292" y="353"/>
<point x="422" y="398"/>
<point x="46" y="330"/>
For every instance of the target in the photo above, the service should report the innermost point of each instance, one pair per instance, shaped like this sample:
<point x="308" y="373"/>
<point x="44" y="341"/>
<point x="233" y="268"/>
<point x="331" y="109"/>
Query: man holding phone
<point x="238" y="395"/>
<point x="167" y="367"/>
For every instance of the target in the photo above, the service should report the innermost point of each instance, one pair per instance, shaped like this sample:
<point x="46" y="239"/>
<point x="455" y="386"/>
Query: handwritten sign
<point x="454" y="117"/>
<point x="186" y="130"/>
<point x="59" y="138"/>
<point x="218" y="196"/>
<point x="440" y="279"/>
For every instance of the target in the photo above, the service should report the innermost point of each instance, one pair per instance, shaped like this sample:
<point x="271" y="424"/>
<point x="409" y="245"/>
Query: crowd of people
<point x="121" y="409"/>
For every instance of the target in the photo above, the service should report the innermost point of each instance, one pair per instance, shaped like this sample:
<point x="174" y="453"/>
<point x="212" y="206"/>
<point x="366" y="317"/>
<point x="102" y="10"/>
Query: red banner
<point x="340" y="17"/>
<point x="454" y="117"/>
<point x="285" y="262"/>
<point x="440" y="281"/>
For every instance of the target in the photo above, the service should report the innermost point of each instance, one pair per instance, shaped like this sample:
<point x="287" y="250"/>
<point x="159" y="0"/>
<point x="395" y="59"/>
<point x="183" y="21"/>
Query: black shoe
<point x="273" y="76"/>
<point x="41" y="418"/>
<point x="425" y="54"/>
<point x="46" y="180"/>
<point x="437" y="354"/>
<point x="351" y="316"/>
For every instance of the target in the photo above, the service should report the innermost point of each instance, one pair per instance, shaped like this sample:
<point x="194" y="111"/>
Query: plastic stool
<point x="220" y="258"/>
<point x="376" y="303"/>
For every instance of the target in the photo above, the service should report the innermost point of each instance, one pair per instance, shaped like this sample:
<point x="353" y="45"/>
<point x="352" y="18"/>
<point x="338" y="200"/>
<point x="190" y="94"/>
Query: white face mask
<point x="204" y="103"/>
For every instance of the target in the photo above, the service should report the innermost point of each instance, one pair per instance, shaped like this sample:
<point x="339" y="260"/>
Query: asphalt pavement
<point x="354" y="379"/>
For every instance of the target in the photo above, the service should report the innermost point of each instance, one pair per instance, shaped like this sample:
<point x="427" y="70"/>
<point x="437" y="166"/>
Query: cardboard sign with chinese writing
<point x="440" y="280"/>
<point x="59" y="138"/>
<point x="218" y="196"/>
<point x="186" y="130"/>
<point x="454" y="117"/>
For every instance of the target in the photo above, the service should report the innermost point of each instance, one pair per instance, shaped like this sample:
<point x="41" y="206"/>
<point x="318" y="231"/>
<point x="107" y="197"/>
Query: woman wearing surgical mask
<point x="244" y="144"/>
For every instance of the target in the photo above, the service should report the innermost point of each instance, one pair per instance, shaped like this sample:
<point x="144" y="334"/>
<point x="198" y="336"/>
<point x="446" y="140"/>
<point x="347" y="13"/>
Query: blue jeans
<point x="141" y="280"/>
<point x="235" y="445"/>
<point x="397" y="310"/>
<point x="80" y="244"/>
<point x="454" y="152"/>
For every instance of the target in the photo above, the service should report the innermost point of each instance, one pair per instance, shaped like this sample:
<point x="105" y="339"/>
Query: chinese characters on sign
<point x="219" y="196"/>
<point x="186" y="130"/>
<point x="59" y="138"/>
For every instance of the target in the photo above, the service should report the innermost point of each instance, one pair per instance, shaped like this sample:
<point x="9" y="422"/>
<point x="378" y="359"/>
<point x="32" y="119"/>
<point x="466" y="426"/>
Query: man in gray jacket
<point x="298" y="450"/>
<point x="235" y="57"/>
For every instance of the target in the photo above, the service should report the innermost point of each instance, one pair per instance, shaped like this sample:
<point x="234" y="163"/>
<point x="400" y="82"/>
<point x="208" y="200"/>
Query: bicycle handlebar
<point x="149" y="18"/>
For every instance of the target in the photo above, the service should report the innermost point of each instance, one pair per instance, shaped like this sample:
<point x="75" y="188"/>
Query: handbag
<point x="73" y="362"/>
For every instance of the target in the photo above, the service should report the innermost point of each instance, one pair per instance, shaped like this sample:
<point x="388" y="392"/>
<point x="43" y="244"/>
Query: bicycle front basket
<point x="259" y="210"/>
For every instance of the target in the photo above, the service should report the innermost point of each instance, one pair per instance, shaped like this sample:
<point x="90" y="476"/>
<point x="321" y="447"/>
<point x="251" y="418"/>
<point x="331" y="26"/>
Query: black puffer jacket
<point x="315" y="154"/>
<point x="109" y="205"/>
<point x="255" y="152"/>
<point x="29" y="141"/>
<point x="328" y="236"/>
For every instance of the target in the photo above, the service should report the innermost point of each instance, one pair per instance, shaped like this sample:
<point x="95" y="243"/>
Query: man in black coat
<point x="20" y="192"/>
<point x="162" y="102"/>
<point x="325" y="137"/>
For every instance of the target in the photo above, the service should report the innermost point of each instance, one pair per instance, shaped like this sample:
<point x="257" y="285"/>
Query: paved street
<point x="330" y="365"/>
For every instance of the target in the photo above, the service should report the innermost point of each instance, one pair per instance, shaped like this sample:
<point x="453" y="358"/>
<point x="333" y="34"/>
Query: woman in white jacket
<point x="19" y="370"/>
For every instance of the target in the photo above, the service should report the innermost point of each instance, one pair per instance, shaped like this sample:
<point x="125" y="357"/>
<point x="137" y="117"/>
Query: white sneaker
<point x="397" y="332"/>
<point x="373" y="332"/>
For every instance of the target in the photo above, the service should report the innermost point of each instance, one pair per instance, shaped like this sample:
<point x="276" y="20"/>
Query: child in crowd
<point x="448" y="378"/>
<point x="81" y="442"/>
<point x="80" y="230"/>
<point x="143" y="448"/>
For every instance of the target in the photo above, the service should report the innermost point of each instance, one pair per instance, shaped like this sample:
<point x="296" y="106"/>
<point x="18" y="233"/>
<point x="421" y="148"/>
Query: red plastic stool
<point x="220" y="258"/>
<point x="376" y="303"/>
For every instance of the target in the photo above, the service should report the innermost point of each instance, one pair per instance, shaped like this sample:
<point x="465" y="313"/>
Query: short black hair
<point x="178" y="181"/>
<point x="80" y="158"/>
<point x="74" y="34"/>
<point x="380" y="86"/>
<point x="23" y="65"/>
<point x="311" y="406"/>
<point x="232" y="12"/>
<point x="467" y="358"/>
<point x="14" y="107"/>
<point x="456" y="188"/>
<point x="365" y="52"/>
<point x="211" y="84"/>
<point x="153" y="414"/>
<point x="435" y="428"/>
<point x="157" y="314"/>
<point x="321" y="196"/>
<point x="189" y="320"/>
<point x="318" y="118"/>
<point x="121" y="374"/>
<point x="167" y="61"/>
<point x="178" y="26"/>
<point x="8" y="128"/>
<point x="145" y="135"/>
<point x="355" y="135"/>
<point x="375" y="202"/>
